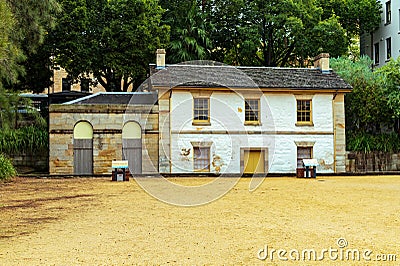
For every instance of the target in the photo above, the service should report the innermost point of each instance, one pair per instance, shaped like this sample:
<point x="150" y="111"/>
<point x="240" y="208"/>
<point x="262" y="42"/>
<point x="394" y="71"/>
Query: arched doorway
<point x="83" y="148"/>
<point x="132" y="146"/>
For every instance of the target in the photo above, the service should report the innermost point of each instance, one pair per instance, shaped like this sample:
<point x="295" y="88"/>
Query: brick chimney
<point x="321" y="62"/>
<point x="160" y="63"/>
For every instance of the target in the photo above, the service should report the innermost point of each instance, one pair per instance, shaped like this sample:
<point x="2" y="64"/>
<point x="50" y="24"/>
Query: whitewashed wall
<point x="278" y="131"/>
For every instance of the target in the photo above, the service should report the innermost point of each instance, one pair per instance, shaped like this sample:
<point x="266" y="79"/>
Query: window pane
<point x="388" y="48"/>
<point x="84" y="84"/>
<point x="201" y="158"/>
<point x="303" y="153"/>
<point x="201" y="111"/>
<point x="376" y="53"/>
<point x="303" y="110"/>
<point x="66" y="84"/>
<point x="252" y="110"/>
<point x="388" y="12"/>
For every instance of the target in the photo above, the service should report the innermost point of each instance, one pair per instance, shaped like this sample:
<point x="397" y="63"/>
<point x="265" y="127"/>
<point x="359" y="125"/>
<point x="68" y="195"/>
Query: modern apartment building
<point x="384" y="43"/>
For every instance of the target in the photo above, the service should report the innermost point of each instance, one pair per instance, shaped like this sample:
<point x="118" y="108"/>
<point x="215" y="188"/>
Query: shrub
<point x="28" y="139"/>
<point x="366" y="142"/>
<point x="7" y="170"/>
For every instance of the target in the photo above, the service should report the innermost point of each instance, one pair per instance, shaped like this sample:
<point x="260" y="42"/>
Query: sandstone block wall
<point x="107" y="122"/>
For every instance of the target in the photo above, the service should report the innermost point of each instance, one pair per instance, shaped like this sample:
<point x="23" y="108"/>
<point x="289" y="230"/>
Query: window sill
<point x="252" y="123"/>
<point x="201" y="171"/>
<point x="307" y="124"/>
<point x="201" y="124"/>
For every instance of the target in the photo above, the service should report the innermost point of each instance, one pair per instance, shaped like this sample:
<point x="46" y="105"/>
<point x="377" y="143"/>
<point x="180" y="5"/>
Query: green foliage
<point x="10" y="52"/>
<point x="367" y="107"/>
<point x="23" y="26"/>
<point x="286" y="32"/>
<point x="115" y="40"/>
<point x="329" y="35"/>
<point x="9" y="102"/>
<point x="15" y="110"/>
<point x="189" y="32"/>
<point x="391" y="83"/>
<point x="355" y="16"/>
<point x="38" y="73"/>
<point x="7" y="170"/>
<point x="366" y="142"/>
<point x="30" y="139"/>
<point x="33" y="20"/>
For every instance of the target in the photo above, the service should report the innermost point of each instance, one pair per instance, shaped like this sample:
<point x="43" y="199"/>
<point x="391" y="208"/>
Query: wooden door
<point x="132" y="146"/>
<point x="83" y="148"/>
<point x="83" y="156"/>
<point x="132" y="151"/>
<point x="254" y="161"/>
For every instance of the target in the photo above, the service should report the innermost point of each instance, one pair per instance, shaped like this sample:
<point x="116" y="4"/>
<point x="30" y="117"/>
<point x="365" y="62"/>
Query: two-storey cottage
<point x="233" y="120"/>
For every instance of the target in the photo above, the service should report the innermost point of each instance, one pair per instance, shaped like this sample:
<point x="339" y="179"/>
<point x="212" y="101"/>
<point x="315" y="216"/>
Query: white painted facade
<point x="389" y="29"/>
<point x="227" y="133"/>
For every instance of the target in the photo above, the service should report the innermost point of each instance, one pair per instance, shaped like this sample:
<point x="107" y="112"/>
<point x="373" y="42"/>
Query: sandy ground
<point x="98" y="222"/>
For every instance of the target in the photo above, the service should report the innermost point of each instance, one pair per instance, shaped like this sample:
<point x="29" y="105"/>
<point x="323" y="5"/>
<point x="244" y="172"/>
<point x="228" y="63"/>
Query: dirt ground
<point x="87" y="221"/>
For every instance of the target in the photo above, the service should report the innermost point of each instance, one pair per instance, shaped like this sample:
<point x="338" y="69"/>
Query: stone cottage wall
<point x="107" y="122"/>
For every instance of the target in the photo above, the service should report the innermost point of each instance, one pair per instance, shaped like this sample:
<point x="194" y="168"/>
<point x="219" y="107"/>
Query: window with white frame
<point x="388" y="17"/>
<point x="376" y="53"/>
<point x="388" y="48"/>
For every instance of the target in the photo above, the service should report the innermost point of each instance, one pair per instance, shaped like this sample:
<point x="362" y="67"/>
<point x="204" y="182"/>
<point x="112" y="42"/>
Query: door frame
<point x="87" y="145"/>
<point x="249" y="149"/>
<point x="133" y="144"/>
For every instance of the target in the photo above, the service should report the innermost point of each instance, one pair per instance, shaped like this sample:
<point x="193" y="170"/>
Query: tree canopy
<point x="286" y="32"/>
<point x="113" y="40"/>
<point x="23" y="25"/>
<point x="391" y="84"/>
<point x="189" y="31"/>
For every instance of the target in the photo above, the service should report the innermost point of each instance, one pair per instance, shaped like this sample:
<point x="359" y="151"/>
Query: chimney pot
<point x="160" y="60"/>
<point x="321" y="62"/>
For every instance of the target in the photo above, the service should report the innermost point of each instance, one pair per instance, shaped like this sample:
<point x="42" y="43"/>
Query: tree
<point x="33" y="19"/>
<point x="113" y="40"/>
<point x="10" y="53"/>
<point x="37" y="71"/>
<point x="355" y="16"/>
<point x="367" y="107"/>
<point x="23" y="26"/>
<point x="286" y="32"/>
<point x="391" y="83"/>
<point x="189" y="31"/>
<point x="273" y="33"/>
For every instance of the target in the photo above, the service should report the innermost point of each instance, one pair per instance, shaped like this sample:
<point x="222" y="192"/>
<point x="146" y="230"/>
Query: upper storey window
<point x="201" y="110"/>
<point x="388" y="17"/>
<point x="252" y="112"/>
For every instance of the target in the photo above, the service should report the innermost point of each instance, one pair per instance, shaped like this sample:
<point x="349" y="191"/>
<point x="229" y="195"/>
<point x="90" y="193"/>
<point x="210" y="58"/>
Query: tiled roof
<point x="131" y="98"/>
<point x="247" y="77"/>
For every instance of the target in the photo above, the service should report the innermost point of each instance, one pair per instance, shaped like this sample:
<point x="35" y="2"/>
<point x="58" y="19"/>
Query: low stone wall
<point x="361" y="162"/>
<point x="37" y="162"/>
